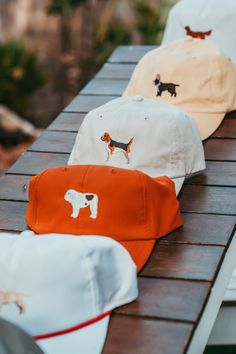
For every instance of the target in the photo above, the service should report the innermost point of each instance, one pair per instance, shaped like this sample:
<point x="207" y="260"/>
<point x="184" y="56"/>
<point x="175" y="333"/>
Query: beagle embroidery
<point x="113" y="145"/>
<point x="10" y="297"/>
<point x="80" y="200"/>
<point x="201" y="35"/>
<point x="161" y="86"/>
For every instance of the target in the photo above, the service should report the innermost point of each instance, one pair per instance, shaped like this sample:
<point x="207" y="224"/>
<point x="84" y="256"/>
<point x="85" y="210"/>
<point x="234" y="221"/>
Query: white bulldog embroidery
<point x="82" y="200"/>
<point x="8" y="297"/>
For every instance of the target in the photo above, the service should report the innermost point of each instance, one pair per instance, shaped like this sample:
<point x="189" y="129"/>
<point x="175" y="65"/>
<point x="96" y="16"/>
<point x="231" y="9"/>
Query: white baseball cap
<point x="143" y="134"/>
<point x="210" y="20"/>
<point x="191" y="74"/>
<point x="61" y="289"/>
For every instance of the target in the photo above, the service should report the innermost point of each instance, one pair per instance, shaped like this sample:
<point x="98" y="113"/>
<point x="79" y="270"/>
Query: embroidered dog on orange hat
<point x="10" y="297"/>
<point x="113" y="145"/>
<point x="80" y="200"/>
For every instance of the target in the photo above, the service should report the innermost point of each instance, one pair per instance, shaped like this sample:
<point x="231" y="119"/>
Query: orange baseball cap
<point x="126" y="205"/>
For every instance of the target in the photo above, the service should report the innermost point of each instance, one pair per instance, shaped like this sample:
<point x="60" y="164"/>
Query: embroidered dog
<point x="80" y="200"/>
<point x="161" y="86"/>
<point x="201" y="35"/>
<point x="9" y="297"/>
<point x="113" y="145"/>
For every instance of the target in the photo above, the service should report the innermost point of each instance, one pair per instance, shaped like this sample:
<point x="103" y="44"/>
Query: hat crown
<point x="154" y="130"/>
<point x="58" y="295"/>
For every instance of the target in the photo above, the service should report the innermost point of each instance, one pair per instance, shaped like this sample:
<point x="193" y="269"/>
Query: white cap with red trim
<point x="61" y="289"/>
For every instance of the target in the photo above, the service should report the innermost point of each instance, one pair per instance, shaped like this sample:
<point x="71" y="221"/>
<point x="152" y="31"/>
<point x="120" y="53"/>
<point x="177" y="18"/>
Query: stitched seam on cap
<point x="92" y="279"/>
<point x="144" y="195"/>
<point x="82" y="191"/>
<point x="174" y="146"/>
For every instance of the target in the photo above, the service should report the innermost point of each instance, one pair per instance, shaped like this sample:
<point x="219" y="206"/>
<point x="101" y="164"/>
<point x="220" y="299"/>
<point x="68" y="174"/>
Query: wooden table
<point x="183" y="283"/>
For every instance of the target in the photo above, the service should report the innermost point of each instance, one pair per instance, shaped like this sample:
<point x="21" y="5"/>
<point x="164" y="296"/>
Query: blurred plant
<point x="106" y="39"/>
<point x="64" y="8"/>
<point x="19" y="75"/>
<point x="150" y="20"/>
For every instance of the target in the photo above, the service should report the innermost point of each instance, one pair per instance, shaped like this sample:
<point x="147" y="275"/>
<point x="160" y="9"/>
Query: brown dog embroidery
<point x="161" y="86"/>
<point x="201" y="35"/>
<point x="113" y="145"/>
<point x="9" y="297"/>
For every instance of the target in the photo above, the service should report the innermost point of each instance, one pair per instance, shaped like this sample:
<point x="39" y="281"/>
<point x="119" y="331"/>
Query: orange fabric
<point x="131" y="205"/>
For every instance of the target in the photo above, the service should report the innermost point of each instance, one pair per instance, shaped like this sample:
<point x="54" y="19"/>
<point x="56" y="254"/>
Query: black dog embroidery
<point x="161" y="86"/>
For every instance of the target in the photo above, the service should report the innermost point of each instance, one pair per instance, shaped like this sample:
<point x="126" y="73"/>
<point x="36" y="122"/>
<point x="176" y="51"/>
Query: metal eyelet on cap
<point x="138" y="98"/>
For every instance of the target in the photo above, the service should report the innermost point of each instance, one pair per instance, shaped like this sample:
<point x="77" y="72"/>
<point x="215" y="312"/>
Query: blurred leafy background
<point x="55" y="46"/>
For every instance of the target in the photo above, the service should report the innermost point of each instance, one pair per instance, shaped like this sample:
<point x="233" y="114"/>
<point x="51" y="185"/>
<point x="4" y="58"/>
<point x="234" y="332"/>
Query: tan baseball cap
<point x="193" y="75"/>
<point x="143" y="134"/>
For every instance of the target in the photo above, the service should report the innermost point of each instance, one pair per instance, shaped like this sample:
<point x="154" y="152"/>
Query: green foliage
<point x="19" y="75"/>
<point x="63" y="7"/>
<point x="149" y="20"/>
<point x="104" y="43"/>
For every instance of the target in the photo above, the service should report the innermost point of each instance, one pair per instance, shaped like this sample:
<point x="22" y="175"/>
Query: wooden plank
<point x="67" y="122"/>
<point x="83" y="104"/>
<point x="115" y="71"/>
<point x="203" y="229"/>
<point x="47" y="143"/>
<point x="172" y="292"/>
<point x="105" y="87"/>
<point x="183" y="262"/>
<point x="215" y="149"/>
<point x="198" y="228"/>
<point x="214" y="200"/>
<point x="14" y="187"/>
<point x="51" y="141"/>
<point x="217" y="173"/>
<point x="129" y="53"/>
<point x="168" y="261"/>
<point x="139" y="336"/>
<point x="32" y="163"/>
<point x="12" y="216"/>
<point x="227" y="129"/>
<point x="224" y="149"/>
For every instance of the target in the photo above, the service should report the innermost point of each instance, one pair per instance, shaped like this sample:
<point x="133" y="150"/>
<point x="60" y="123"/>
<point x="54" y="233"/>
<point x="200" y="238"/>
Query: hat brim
<point x="178" y="184"/>
<point x="140" y="251"/>
<point x="89" y="340"/>
<point x="207" y="123"/>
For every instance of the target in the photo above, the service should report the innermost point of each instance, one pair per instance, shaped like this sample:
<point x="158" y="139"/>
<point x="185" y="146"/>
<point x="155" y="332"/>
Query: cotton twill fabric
<point x="66" y="304"/>
<point x="131" y="205"/>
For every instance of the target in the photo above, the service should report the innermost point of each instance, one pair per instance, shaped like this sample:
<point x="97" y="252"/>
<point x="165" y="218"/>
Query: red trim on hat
<point x="72" y="329"/>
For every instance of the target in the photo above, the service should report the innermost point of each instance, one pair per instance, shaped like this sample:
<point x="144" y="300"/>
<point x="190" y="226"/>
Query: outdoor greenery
<point x="81" y="53"/>
<point x="149" y="21"/>
<point x="19" y="75"/>
<point x="64" y="8"/>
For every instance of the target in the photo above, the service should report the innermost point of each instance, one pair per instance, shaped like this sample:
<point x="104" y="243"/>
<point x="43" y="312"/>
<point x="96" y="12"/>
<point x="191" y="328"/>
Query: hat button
<point x="138" y="98"/>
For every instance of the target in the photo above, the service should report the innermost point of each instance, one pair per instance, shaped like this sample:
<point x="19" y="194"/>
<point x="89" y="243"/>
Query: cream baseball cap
<point x="210" y="20"/>
<point x="190" y="74"/>
<point x="143" y="134"/>
<point x="61" y="289"/>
